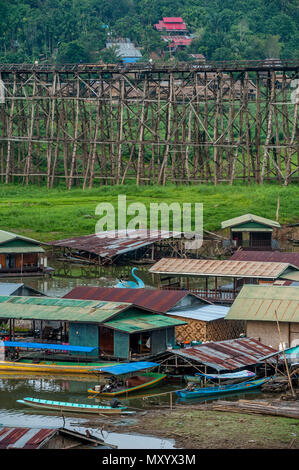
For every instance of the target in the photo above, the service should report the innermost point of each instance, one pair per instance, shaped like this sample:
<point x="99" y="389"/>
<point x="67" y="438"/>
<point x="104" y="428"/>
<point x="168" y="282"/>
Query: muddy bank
<point x="200" y="428"/>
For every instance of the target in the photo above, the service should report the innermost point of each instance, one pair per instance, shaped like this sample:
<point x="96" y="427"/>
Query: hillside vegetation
<point x="76" y="30"/>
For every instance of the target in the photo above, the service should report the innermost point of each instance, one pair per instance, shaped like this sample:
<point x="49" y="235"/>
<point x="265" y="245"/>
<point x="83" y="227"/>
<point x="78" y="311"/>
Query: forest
<point x="72" y="31"/>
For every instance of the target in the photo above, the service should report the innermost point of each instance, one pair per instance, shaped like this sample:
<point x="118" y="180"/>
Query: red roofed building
<point x="174" y="31"/>
<point x="171" y="24"/>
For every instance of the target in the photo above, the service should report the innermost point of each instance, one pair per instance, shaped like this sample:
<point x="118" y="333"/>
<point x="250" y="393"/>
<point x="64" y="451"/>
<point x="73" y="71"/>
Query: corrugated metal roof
<point x="105" y="245"/>
<point x="156" y="300"/>
<point x="261" y="302"/>
<point x="23" y="438"/>
<point x="137" y="322"/>
<point x="227" y="355"/>
<point x="249" y="218"/>
<point x="225" y="268"/>
<point x="8" y="288"/>
<point x="206" y="313"/>
<point x="267" y="256"/>
<point x="9" y="236"/>
<point x="41" y="308"/>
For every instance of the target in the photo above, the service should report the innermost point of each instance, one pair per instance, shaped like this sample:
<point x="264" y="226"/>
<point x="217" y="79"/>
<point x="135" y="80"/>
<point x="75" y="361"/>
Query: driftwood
<point x="257" y="407"/>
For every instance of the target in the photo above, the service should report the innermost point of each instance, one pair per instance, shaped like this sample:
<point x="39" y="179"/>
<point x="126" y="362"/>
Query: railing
<point x="216" y="295"/>
<point x="270" y="64"/>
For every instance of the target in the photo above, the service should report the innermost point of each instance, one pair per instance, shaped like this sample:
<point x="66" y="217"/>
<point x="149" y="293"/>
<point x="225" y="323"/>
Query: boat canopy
<point x="233" y="375"/>
<point x="54" y="347"/>
<point x="127" y="368"/>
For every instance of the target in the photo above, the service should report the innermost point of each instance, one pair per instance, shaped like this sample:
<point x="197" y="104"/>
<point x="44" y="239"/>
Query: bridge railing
<point x="262" y="65"/>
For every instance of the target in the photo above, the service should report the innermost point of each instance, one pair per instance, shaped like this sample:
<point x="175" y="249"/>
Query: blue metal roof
<point x="203" y="312"/>
<point x="57" y="347"/>
<point x="127" y="368"/>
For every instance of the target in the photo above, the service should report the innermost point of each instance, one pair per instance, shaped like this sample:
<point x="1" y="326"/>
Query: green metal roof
<point x="261" y="302"/>
<point x="249" y="218"/>
<point x="137" y="322"/>
<point x="46" y="308"/>
<point x="9" y="236"/>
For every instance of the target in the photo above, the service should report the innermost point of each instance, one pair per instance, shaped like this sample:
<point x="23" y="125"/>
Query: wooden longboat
<point x="222" y="389"/>
<point x="133" y="384"/>
<point x="72" y="407"/>
<point x="128" y="383"/>
<point x="54" y="367"/>
<point x="59" y="366"/>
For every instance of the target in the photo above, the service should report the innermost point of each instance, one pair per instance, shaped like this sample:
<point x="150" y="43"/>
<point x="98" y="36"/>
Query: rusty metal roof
<point x="267" y="256"/>
<point x="249" y="218"/>
<point x="227" y="355"/>
<point x="224" y="268"/>
<point x="23" y="438"/>
<point x="261" y="302"/>
<point x="152" y="299"/>
<point x="109" y="244"/>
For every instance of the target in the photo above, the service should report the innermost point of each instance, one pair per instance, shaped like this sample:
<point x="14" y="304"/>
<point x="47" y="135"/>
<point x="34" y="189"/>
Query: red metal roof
<point x="152" y="299"/>
<point x="267" y="256"/>
<point x="173" y="19"/>
<point x="227" y="355"/>
<point x="23" y="438"/>
<point x="171" y="24"/>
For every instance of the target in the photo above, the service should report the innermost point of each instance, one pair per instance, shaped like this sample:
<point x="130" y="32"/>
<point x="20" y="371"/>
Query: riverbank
<point x="60" y="213"/>
<point x="198" y="428"/>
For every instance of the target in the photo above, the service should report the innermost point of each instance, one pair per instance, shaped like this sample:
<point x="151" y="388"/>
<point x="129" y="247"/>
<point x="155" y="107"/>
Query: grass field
<point x="59" y="213"/>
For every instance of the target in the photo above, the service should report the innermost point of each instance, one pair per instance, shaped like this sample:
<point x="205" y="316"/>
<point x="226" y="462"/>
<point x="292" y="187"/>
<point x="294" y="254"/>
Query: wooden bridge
<point x="183" y="123"/>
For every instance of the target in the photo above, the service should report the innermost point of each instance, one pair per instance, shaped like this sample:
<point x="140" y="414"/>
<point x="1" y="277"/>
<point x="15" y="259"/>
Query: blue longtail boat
<point x="197" y="392"/>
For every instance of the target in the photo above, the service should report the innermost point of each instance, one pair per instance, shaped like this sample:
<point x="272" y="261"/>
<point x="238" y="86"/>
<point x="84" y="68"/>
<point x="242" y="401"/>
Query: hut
<point x="204" y="321"/>
<point x="218" y="281"/>
<point x="251" y="232"/>
<point x="112" y="329"/>
<point x="268" y="310"/>
<point x="221" y="356"/>
<point x="119" y="246"/>
<point x="21" y="256"/>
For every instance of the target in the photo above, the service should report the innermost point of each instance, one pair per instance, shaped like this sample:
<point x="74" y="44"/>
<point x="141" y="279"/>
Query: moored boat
<point x="121" y="382"/>
<point x="58" y="366"/>
<point x="72" y="407"/>
<point x="231" y="377"/>
<point x="197" y="392"/>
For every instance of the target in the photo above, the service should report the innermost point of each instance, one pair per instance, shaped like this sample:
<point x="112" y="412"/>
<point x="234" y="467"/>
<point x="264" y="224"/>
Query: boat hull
<point x="71" y="407"/>
<point x="53" y="367"/>
<point x="156" y="378"/>
<point x="209" y="391"/>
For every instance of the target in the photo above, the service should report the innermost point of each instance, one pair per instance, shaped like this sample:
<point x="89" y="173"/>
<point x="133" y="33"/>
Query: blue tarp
<point x="57" y="347"/>
<point x="127" y="368"/>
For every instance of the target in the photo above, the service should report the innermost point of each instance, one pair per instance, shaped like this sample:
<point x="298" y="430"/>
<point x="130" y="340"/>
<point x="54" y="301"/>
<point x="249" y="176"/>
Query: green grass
<point x="59" y="213"/>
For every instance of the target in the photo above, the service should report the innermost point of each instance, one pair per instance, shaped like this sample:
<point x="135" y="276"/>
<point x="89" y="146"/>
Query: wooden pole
<point x="284" y="356"/>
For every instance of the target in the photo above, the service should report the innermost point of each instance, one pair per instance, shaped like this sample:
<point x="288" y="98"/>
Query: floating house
<point x="261" y="307"/>
<point x="113" y="329"/>
<point x="218" y="281"/>
<point x="21" y="256"/>
<point x="221" y="356"/>
<point x="251" y="232"/>
<point x="203" y="320"/>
